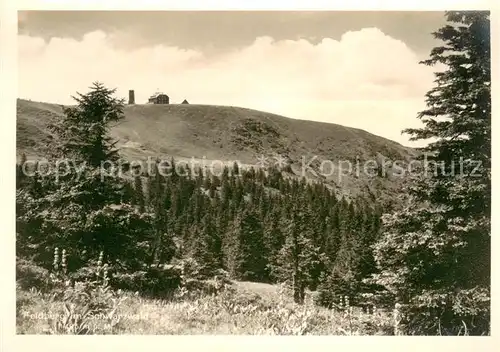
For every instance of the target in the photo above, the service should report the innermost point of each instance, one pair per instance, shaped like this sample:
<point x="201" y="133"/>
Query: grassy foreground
<point x="247" y="308"/>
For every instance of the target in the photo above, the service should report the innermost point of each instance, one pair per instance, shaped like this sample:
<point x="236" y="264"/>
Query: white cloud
<point x="366" y="79"/>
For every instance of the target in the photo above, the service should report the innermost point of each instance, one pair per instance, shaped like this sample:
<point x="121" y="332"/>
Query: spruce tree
<point x="207" y="247"/>
<point x="82" y="210"/>
<point x="273" y="240"/>
<point x="84" y="131"/>
<point x="139" y="194"/>
<point x="434" y="256"/>
<point x="299" y="254"/>
<point x="251" y="256"/>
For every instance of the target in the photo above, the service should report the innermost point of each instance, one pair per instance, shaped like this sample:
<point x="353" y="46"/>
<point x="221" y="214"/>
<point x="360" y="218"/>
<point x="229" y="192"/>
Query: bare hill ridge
<point x="229" y="133"/>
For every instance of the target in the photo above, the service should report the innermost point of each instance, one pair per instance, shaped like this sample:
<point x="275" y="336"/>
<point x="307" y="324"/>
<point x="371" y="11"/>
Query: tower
<point x="131" y="97"/>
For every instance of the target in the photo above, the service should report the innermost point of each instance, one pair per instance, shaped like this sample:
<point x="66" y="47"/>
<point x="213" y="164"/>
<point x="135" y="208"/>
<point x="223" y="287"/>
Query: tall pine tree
<point x="434" y="256"/>
<point x="82" y="210"/>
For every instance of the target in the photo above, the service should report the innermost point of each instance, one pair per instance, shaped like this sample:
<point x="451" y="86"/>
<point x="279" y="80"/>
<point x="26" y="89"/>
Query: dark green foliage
<point x="21" y="172"/>
<point x="299" y="253"/>
<point x="274" y="239"/>
<point x="348" y="258"/>
<point x="253" y="223"/>
<point x="251" y="258"/>
<point x="29" y="275"/>
<point x="138" y="199"/>
<point x="153" y="281"/>
<point x="86" y="209"/>
<point x="431" y="253"/>
<point x="206" y="247"/>
<point x="434" y="256"/>
<point x="84" y="132"/>
<point x="252" y="234"/>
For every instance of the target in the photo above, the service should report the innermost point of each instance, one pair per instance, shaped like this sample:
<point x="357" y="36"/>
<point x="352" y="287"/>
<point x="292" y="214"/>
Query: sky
<point x="357" y="69"/>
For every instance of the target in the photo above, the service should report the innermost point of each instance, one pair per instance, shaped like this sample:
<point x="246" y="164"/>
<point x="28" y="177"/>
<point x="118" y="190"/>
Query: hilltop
<point x="230" y="133"/>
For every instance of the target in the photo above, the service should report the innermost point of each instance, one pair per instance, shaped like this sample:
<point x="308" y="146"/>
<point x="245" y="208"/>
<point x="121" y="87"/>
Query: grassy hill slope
<point x="231" y="133"/>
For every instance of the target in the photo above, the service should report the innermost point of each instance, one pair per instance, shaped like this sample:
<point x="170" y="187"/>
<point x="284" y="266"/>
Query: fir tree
<point x="84" y="211"/>
<point x="434" y="256"/>
<point x="139" y="194"/>
<point x="207" y="247"/>
<point x="251" y="258"/>
<point x="299" y="254"/>
<point x="84" y="132"/>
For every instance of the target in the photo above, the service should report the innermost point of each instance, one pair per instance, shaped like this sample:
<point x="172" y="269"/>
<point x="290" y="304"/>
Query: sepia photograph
<point x="253" y="173"/>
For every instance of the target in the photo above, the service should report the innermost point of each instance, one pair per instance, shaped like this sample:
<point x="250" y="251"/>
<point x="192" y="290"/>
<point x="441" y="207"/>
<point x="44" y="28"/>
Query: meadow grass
<point x="243" y="309"/>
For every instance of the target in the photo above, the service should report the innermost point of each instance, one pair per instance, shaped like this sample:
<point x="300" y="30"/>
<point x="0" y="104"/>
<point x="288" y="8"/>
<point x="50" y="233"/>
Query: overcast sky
<point x="357" y="69"/>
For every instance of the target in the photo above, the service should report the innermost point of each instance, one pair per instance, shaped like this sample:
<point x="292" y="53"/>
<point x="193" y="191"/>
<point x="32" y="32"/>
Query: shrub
<point x="466" y="312"/>
<point x="153" y="281"/>
<point x="334" y="287"/>
<point x="29" y="275"/>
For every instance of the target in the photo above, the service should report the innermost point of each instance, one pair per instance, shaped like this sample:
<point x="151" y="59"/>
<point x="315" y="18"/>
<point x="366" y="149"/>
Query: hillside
<point x="231" y="133"/>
